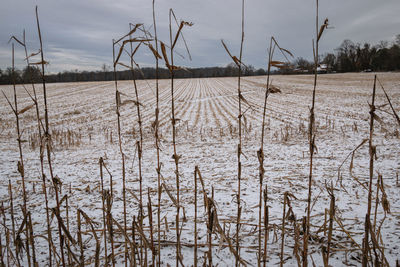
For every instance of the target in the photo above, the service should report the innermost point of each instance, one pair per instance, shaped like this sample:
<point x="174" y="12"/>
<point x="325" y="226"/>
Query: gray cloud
<point x="77" y="34"/>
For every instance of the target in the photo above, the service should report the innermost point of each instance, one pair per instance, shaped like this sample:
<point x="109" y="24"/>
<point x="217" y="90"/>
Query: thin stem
<point x="261" y="155"/>
<point x="266" y="222"/>
<point x="103" y="210"/>
<point x="195" y="218"/>
<point x="239" y="152"/>
<point x="283" y="228"/>
<point x="21" y="169"/>
<point x="312" y="145"/>
<point x="156" y="134"/>
<point x="371" y="175"/>
<point x="47" y="137"/>
<point x="139" y="144"/>
<point x="175" y="155"/>
<point x="41" y="151"/>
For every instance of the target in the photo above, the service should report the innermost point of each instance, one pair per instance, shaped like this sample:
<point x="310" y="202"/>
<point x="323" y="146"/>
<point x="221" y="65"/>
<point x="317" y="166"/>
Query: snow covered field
<point x="83" y="123"/>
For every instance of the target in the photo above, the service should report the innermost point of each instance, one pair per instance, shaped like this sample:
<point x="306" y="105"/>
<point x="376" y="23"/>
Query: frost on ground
<point x="83" y="124"/>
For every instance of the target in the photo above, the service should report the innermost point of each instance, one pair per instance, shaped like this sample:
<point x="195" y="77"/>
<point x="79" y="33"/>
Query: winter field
<point x="83" y="124"/>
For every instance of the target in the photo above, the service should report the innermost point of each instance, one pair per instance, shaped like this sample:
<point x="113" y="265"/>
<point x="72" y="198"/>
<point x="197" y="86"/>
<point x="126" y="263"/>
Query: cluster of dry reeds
<point x="137" y="242"/>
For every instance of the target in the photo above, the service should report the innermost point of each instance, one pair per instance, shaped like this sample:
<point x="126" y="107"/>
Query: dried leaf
<point x="39" y="63"/>
<point x="129" y="33"/>
<point x="25" y="109"/>
<point x="33" y="54"/>
<point x="272" y="89"/>
<point x="353" y="153"/>
<point x="279" y="64"/>
<point x="171" y="12"/>
<point x="164" y="52"/>
<point x="89" y="221"/>
<point x="121" y="49"/>
<point x="155" y="53"/>
<point x="234" y="58"/>
<point x="173" y="199"/>
<point x="244" y="100"/>
<point x="287" y="51"/>
<point x="321" y="30"/>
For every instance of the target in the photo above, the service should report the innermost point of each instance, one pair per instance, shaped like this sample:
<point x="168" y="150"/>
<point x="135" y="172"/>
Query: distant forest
<point x="348" y="57"/>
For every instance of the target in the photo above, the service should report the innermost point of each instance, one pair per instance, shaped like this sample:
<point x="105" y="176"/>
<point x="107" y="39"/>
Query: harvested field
<point x="83" y="125"/>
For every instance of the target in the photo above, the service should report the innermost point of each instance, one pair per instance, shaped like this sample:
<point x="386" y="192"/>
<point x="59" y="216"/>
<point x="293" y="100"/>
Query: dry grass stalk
<point x="139" y="144"/>
<point x="1" y="254"/>
<point x="205" y="198"/>
<point x="238" y="62"/>
<point x="340" y="223"/>
<point x="312" y="135"/>
<point x="266" y="223"/>
<point x="195" y="218"/>
<point x="20" y="164"/>
<point x="47" y="137"/>
<point x="289" y="215"/>
<point x="390" y="102"/>
<point x="108" y="198"/>
<point x="142" y="234"/>
<point x="296" y="247"/>
<point x="18" y="240"/>
<point x="157" y="139"/>
<point x="352" y="154"/>
<point x="285" y="199"/>
<point x="12" y="215"/>
<point x="213" y="224"/>
<point x="386" y="209"/>
<point x="103" y="210"/>
<point x="67" y="215"/>
<point x="134" y="251"/>
<point x="175" y="156"/>
<point x="6" y="234"/>
<point x="270" y="89"/>
<point x="372" y="151"/>
<point x="124" y="233"/>
<point x="377" y="199"/>
<point x="332" y="211"/>
<point x="260" y="155"/>
<point x="118" y="104"/>
<point x="219" y="230"/>
<point x="150" y="216"/>
<point x="80" y="242"/>
<point x="63" y="227"/>
<point x="210" y="224"/>
<point x="10" y="254"/>
<point x="97" y="250"/>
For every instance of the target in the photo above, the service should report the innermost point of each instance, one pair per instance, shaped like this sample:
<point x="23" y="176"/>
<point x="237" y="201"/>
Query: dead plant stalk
<point x="261" y="157"/>
<point x="372" y="151"/>
<point x="139" y="144"/>
<point x="311" y="133"/>
<point x="41" y="149"/>
<point x="239" y="152"/>
<point x="157" y="141"/>
<point x="47" y="138"/>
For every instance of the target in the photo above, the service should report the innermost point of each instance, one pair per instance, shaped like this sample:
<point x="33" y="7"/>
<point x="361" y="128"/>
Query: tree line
<point x="356" y="57"/>
<point x="348" y="57"/>
<point x="29" y="74"/>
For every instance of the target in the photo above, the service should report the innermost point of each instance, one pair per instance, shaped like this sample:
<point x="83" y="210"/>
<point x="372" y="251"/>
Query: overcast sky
<point x="77" y="34"/>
